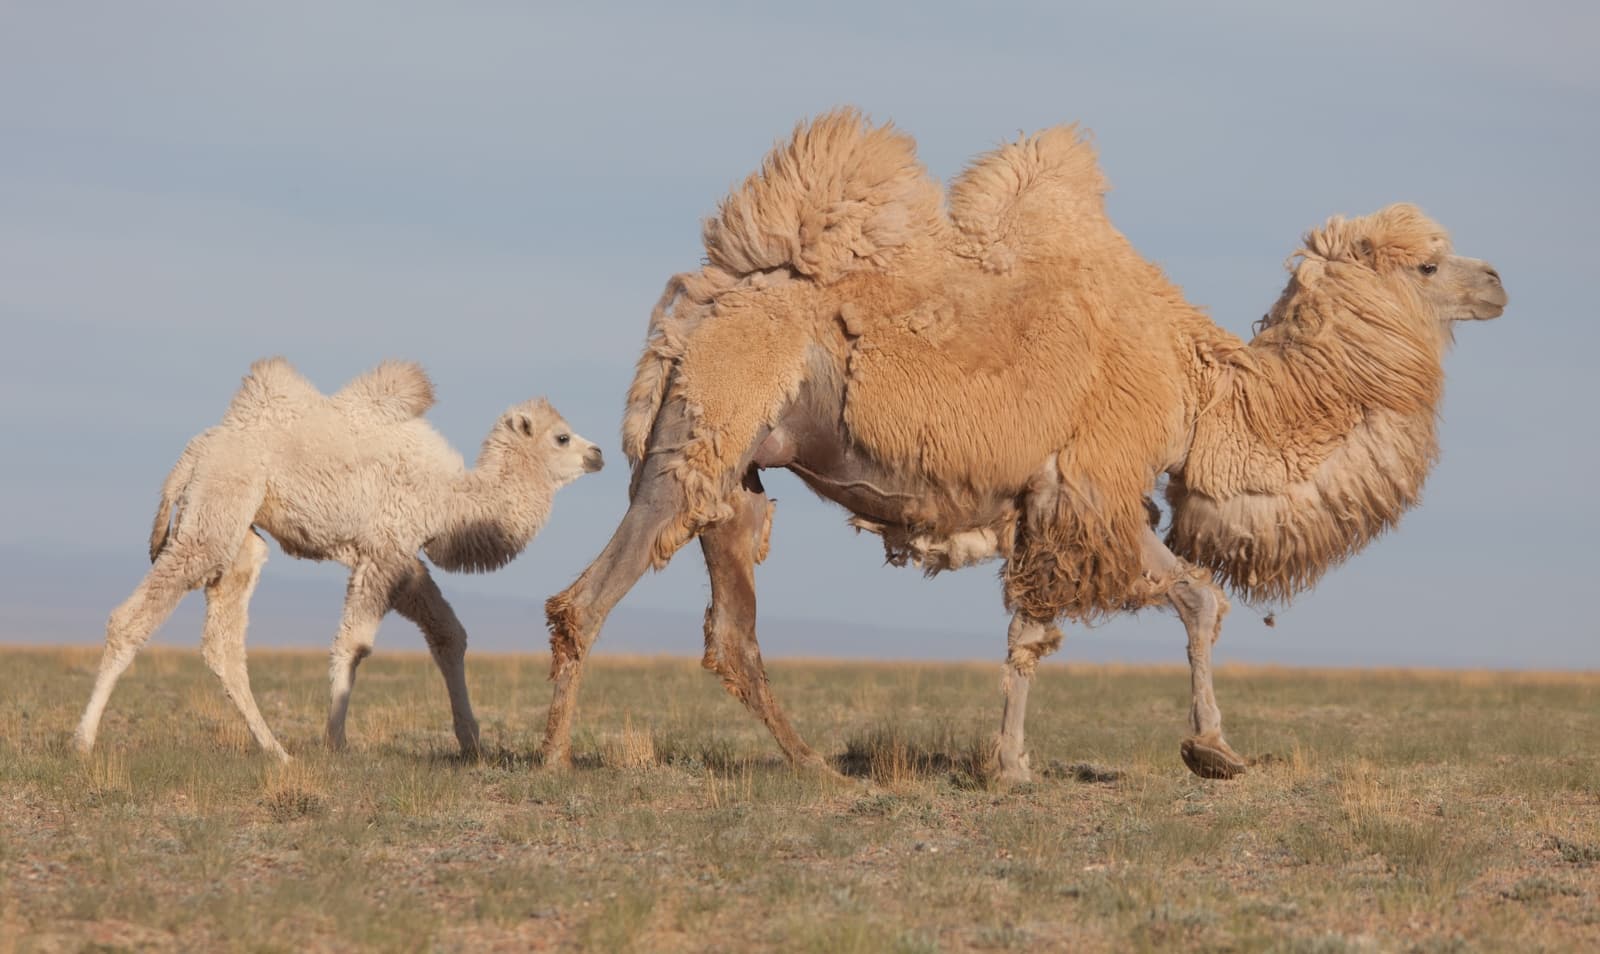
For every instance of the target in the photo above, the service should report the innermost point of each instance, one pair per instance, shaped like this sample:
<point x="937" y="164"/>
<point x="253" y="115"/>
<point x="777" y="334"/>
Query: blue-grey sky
<point x="499" y="190"/>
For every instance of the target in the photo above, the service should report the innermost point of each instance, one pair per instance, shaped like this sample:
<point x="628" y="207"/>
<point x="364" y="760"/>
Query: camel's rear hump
<point x="391" y="393"/>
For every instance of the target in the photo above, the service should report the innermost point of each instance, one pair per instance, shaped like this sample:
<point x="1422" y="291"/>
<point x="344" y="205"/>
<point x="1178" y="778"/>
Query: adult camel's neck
<point x="1309" y="441"/>
<point x="489" y="515"/>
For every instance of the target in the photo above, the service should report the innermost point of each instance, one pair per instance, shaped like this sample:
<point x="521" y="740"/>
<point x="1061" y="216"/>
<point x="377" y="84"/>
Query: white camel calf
<point x="360" y="478"/>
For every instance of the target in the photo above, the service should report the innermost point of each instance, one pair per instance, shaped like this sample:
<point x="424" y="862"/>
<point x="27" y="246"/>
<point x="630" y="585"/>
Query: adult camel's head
<point x="1398" y="252"/>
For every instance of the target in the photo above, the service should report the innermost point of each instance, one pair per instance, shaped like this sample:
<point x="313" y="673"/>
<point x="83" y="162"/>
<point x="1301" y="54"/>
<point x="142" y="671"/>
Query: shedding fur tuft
<point x="1077" y="551"/>
<point x="565" y="621"/>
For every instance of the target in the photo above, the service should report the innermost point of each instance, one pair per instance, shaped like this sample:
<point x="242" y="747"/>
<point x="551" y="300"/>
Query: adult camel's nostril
<point x="1494" y="276"/>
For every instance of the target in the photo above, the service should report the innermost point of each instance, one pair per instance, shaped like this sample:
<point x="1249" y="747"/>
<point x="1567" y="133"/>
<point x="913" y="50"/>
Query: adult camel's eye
<point x="1427" y="268"/>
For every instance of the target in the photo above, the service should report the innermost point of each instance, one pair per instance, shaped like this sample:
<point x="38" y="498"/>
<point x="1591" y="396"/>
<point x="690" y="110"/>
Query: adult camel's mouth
<point x="1488" y="306"/>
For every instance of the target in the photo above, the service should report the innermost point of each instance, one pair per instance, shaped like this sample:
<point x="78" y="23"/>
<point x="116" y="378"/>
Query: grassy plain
<point x="1434" y="812"/>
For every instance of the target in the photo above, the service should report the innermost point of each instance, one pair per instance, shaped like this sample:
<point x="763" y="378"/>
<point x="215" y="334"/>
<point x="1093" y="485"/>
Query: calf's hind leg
<point x="129" y="628"/>
<point x="204" y="547"/>
<point x="222" y="643"/>
<point x="732" y="549"/>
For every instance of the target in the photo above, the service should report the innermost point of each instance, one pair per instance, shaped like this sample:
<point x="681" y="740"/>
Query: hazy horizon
<point x="500" y="192"/>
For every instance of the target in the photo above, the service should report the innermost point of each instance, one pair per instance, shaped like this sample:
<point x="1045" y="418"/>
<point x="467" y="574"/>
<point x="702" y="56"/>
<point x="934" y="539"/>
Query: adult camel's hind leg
<point x="1201" y="604"/>
<point x="222" y="643"/>
<point x="732" y="549"/>
<point x="367" y="598"/>
<point x="1027" y="641"/>
<point x="419" y="600"/>
<point x="576" y="614"/>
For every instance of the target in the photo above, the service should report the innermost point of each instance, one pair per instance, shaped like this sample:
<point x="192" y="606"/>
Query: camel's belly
<point x="330" y="533"/>
<point x="811" y="441"/>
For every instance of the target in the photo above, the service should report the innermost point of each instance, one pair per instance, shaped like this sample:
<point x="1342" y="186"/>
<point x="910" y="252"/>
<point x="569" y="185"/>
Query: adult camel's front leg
<point x="1027" y="641"/>
<point x="732" y="549"/>
<point x="1201" y="604"/>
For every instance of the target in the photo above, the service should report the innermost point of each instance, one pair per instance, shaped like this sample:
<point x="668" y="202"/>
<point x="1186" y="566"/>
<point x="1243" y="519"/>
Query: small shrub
<point x="1539" y="888"/>
<point x="1575" y="853"/>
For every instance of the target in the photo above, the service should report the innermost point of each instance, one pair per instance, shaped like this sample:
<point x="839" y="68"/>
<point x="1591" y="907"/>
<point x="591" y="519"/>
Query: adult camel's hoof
<point x="816" y="766"/>
<point x="1210" y="757"/>
<point x="1008" y="772"/>
<point x="1007" y="764"/>
<point x="553" y="758"/>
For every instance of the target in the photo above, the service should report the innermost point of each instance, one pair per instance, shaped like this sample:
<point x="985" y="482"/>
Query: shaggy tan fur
<point x="1021" y="332"/>
<point x="952" y="328"/>
<point x="358" y="477"/>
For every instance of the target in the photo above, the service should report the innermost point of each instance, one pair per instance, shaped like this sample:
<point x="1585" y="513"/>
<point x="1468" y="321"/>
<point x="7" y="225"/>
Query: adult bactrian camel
<point x="361" y="478"/>
<point x="996" y="373"/>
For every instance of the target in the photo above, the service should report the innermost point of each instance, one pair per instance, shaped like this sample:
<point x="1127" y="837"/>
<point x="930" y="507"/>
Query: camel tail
<point x="663" y="345"/>
<point x="169" y="511"/>
<point x="684" y="303"/>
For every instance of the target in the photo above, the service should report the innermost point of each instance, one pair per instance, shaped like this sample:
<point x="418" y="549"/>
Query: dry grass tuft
<point x="894" y="757"/>
<point x="105" y="773"/>
<point x="632" y="748"/>
<point x="293" y="791"/>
